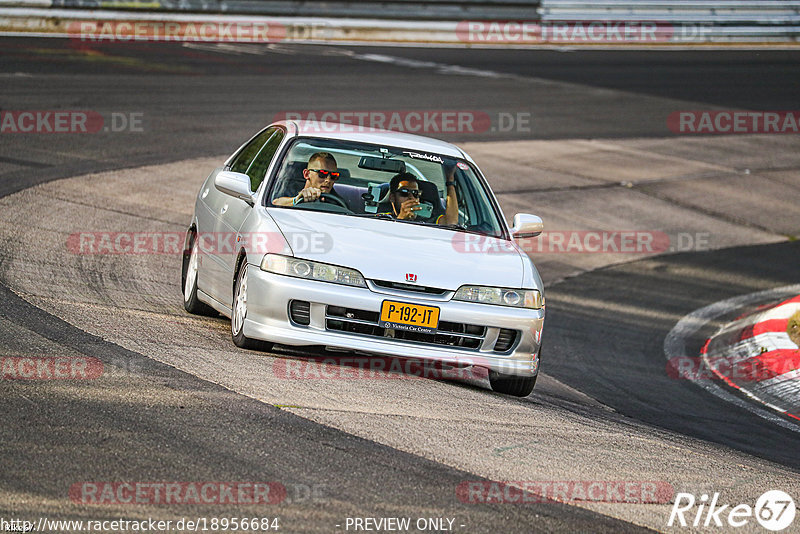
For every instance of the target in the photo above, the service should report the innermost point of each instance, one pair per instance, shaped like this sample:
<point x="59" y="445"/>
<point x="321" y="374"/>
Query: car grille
<point x="468" y="336"/>
<point x="410" y="287"/>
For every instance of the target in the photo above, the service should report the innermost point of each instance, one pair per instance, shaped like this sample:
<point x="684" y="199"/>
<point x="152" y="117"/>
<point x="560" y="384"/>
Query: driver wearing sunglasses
<point x="320" y="175"/>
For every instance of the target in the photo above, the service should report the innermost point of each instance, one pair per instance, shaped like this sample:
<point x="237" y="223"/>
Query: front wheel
<point x="516" y="385"/>
<point x="190" y="266"/>
<point x="239" y="314"/>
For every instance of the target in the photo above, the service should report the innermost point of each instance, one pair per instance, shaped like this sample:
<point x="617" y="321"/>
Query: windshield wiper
<point x="387" y="217"/>
<point x="463" y="228"/>
<point x="382" y="216"/>
<point x="455" y="227"/>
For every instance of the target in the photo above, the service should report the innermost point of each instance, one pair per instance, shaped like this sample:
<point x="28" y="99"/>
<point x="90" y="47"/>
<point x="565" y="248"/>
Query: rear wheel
<point x="239" y="314"/>
<point x="189" y="278"/>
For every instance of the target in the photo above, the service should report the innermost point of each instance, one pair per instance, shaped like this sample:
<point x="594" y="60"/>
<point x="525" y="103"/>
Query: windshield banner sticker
<point x="430" y="157"/>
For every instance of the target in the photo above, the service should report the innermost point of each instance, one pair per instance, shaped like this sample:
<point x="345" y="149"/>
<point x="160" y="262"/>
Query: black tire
<point x="190" y="301"/>
<point x="239" y="313"/>
<point x="518" y="386"/>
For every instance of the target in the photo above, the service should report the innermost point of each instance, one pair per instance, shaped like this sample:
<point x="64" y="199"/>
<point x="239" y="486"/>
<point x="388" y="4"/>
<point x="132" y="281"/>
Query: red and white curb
<point x="766" y="359"/>
<point x="757" y="341"/>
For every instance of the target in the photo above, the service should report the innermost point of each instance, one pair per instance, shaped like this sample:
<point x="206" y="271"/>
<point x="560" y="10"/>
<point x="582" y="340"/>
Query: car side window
<point x="246" y="156"/>
<point x="258" y="168"/>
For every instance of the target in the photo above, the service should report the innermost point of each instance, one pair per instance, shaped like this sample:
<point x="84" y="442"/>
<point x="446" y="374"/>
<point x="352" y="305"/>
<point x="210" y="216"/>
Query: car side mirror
<point x="526" y="226"/>
<point x="235" y="184"/>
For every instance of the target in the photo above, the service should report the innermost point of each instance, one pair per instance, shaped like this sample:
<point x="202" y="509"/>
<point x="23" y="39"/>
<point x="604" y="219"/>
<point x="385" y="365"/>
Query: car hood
<point x="390" y="250"/>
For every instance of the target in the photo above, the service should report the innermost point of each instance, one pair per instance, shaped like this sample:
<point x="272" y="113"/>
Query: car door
<point x="233" y="212"/>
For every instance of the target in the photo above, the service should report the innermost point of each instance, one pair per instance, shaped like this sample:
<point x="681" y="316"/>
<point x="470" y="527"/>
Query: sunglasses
<point x="322" y="173"/>
<point x="410" y="192"/>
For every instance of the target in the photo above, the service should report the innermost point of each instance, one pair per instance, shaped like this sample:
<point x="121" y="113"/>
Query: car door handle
<point x="224" y="209"/>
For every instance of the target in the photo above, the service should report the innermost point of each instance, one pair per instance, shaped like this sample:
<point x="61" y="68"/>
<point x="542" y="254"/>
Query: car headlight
<point x="311" y="270"/>
<point x="517" y="298"/>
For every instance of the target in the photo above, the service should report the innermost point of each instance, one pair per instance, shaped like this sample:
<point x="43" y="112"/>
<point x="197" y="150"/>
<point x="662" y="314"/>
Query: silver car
<point x="343" y="268"/>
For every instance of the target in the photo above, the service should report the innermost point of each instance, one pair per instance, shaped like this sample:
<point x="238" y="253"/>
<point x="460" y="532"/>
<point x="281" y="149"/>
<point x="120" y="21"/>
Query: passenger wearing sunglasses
<point x="320" y="175"/>
<point x="405" y="194"/>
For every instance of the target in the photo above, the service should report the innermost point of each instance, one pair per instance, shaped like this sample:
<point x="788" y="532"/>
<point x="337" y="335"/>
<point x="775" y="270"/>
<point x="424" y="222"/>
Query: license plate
<point x="411" y="317"/>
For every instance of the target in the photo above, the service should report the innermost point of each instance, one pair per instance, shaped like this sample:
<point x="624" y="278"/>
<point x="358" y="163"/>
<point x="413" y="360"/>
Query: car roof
<point x="353" y="132"/>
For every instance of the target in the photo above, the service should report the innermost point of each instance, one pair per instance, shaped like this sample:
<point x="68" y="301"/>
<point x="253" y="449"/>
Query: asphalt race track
<point x="177" y="401"/>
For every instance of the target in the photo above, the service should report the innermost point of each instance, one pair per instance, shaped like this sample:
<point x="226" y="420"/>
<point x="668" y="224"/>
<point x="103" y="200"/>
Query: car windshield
<point x="362" y="187"/>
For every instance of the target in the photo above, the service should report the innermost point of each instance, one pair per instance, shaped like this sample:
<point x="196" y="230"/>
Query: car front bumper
<point x="269" y="296"/>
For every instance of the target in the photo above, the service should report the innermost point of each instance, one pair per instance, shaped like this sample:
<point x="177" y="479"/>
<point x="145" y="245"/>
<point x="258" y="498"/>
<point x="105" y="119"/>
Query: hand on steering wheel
<point x="326" y="197"/>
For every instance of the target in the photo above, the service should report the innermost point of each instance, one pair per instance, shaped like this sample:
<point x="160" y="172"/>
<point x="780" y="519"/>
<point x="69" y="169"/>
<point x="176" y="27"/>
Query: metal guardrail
<point x="720" y="20"/>
<point x="671" y="5"/>
<point x="500" y="22"/>
<point x="715" y="12"/>
<point x="453" y="10"/>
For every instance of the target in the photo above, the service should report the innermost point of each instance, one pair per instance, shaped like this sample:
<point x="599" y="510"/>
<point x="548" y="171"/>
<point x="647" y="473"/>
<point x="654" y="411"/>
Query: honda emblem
<point x="411" y="277"/>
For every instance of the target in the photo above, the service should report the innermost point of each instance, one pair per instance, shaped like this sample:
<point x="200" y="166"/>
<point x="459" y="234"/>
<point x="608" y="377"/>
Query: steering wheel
<point x="327" y="197"/>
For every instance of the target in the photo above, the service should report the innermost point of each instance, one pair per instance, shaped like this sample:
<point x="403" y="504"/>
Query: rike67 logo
<point x="774" y="510"/>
